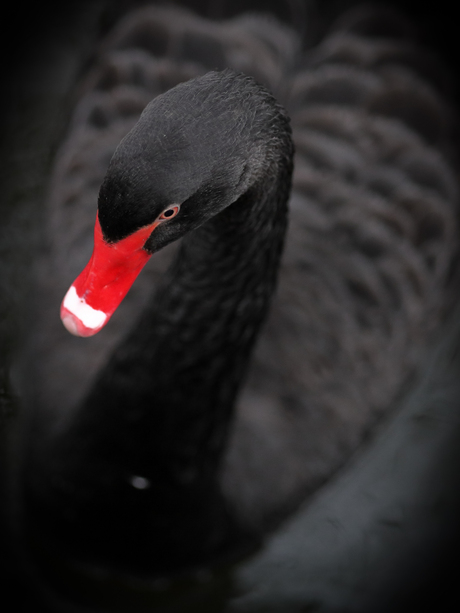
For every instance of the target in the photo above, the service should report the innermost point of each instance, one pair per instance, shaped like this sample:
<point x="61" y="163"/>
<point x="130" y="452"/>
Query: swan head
<point x="195" y="150"/>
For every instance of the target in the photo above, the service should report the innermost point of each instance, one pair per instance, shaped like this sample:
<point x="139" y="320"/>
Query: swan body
<point x="363" y="281"/>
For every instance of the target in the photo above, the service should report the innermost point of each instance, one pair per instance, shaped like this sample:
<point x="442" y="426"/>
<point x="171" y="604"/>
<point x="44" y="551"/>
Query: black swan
<point x="138" y="463"/>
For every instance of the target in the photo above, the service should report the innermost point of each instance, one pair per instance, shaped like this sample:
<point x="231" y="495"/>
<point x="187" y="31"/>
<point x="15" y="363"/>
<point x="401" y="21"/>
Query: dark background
<point x="28" y="30"/>
<point x="27" y="25"/>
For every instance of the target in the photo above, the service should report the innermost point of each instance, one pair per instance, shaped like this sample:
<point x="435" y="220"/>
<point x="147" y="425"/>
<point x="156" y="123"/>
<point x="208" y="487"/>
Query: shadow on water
<point x="380" y="536"/>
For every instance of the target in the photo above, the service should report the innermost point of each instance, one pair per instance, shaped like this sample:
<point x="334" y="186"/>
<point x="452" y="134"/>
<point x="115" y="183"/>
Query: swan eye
<point x="169" y="213"/>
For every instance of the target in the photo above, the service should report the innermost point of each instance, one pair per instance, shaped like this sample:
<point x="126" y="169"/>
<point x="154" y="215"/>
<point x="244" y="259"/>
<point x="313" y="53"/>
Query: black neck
<point x="162" y="406"/>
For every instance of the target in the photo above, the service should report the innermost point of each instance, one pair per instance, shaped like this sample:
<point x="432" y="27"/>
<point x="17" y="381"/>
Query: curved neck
<point x="149" y="436"/>
<point x="172" y="382"/>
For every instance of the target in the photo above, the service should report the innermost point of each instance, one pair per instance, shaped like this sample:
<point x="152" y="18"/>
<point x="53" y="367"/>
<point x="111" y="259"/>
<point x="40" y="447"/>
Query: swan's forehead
<point x="196" y="121"/>
<point x="167" y="158"/>
<point x="144" y="178"/>
<point x="190" y="139"/>
<point x="161" y="166"/>
<point x="185" y="143"/>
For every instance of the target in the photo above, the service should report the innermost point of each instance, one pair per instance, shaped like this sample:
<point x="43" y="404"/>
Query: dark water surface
<point x="381" y="535"/>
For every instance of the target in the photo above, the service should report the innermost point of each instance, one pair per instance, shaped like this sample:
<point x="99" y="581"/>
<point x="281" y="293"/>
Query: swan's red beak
<point x="96" y="293"/>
